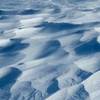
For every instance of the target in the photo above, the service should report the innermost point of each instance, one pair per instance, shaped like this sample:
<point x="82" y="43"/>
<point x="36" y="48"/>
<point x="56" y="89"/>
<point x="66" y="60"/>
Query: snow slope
<point x="50" y="50"/>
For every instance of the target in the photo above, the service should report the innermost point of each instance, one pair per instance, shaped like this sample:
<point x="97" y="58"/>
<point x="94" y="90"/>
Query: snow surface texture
<point x="49" y="50"/>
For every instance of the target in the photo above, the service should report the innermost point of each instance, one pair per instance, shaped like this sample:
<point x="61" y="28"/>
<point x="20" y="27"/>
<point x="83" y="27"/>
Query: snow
<point x="5" y="42"/>
<point x="92" y="85"/>
<point x="49" y="50"/>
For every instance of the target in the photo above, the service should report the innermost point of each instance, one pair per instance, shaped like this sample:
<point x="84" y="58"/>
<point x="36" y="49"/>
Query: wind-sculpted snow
<point x="49" y="50"/>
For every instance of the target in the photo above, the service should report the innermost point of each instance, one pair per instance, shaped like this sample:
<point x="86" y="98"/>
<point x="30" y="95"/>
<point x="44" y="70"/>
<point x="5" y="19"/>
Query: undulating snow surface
<point x="49" y="50"/>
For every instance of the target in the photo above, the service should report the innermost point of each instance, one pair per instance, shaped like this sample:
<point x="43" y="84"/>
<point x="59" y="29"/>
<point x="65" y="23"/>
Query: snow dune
<point x="50" y="51"/>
